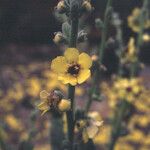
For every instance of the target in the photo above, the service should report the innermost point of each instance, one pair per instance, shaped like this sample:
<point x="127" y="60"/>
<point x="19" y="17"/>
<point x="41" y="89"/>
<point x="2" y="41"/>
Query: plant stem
<point x="119" y="116"/>
<point x="116" y="129"/>
<point x="71" y="89"/>
<point x="96" y="79"/>
<point x="139" y="38"/>
<point x="104" y="31"/>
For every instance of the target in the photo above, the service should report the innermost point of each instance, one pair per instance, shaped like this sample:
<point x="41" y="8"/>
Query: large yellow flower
<point x="73" y="67"/>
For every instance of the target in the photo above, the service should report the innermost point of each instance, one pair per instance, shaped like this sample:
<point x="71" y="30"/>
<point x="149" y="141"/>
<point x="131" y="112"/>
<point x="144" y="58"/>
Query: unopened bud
<point x="61" y="7"/>
<point x="59" y="38"/>
<point x="94" y="57"/>
<point x="64" y="105"/>
<point x="87" y="6"/>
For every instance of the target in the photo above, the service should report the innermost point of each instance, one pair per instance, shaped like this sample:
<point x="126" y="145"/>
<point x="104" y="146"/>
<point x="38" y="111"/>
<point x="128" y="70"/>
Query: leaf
<point x="66" y="30"/>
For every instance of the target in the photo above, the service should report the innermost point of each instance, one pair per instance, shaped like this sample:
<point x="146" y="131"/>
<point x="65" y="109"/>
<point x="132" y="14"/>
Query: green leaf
<point x="66" y="30"/>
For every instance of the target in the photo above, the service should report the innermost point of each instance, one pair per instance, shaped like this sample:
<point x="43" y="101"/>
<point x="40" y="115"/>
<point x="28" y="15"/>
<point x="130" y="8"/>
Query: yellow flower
<point x="146" y="37"/>
<point x="53" y="101"/>
<point x="13" y="123"/>
<point x="89" y="127"/>
<point x="33" y="86"/>
<point x="131" y="53"/>
<point x="128" y="89"/>
<point x="134" y="22"/>
<point x="73" y="67"/>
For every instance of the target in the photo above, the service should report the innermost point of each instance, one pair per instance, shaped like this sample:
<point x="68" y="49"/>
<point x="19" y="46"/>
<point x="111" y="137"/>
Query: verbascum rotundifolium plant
<point x="72" y="68"/>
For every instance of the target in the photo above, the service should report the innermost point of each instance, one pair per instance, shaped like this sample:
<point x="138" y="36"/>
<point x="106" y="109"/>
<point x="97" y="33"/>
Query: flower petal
<point x="67" y="78"/>
<point x="43" y="106"/>
<point x="71" y="55"/>
<point x="85" y="61"/>
<point x="59" y="65"/>
<point x="83" y="75"/>
<point x="43" y="95"/>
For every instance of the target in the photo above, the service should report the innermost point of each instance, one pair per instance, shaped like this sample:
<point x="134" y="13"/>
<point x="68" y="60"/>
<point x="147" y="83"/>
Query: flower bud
<point x="64" y="105"/>
<point x="58" y="38"/>
<point x="87" y="6"/>
<point x="61" y="7"/>
<point x="94" y="57"/>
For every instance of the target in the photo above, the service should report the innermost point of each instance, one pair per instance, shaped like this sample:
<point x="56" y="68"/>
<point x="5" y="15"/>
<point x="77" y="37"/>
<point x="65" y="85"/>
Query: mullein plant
<point x="127" y="87"/>
<point x="72" y="68"/>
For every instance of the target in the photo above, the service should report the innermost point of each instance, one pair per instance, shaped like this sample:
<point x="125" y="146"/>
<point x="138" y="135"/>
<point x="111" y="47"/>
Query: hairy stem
<point x="71" y="89"/>
<point x="96" y="78"/>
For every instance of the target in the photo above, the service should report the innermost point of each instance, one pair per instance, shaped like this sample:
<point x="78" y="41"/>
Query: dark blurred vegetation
<point x="26" y="24"/>
<point x="32" y="21"/>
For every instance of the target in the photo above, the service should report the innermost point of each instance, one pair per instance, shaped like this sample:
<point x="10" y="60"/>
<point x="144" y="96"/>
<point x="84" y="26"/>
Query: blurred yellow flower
<point x="72" y="68"/>
<point x="13" y="123"/>
<point x="103" y="136"/>
<point x="146" y="37"/>
<point x="16" y="93"/>
<point x="33" y="86"/>
<point x="130" y="55"/>
<point x="134" y="22"/>
<point x="89" y="127"/>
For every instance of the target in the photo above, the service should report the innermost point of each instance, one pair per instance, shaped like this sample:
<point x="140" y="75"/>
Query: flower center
<point x="129" y="89"/>
<point x="74" y="69"/>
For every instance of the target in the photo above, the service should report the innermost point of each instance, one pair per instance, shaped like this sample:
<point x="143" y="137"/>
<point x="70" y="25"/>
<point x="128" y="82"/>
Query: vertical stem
<point x="71" y="89"/>
<point x="116" y="129"/>
<point x="104" y="31"/>
<point x="97" y="72"/>
<point x="119" y="116"/>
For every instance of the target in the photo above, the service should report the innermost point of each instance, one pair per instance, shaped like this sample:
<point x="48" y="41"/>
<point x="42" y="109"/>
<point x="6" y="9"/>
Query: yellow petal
<point x="43" y="95"/>
<point x="67" y="78"/>
<point x="85" y="136"/>
<point x="92" y="131"/>
<point x="59" y="65"/>
<point x="64" y="105"/>
<point x="44" y="112"/>
<point x="85" y="61"/>
<point x="83" y="75"/>
<point x="71" y="55"/>
<point x="43" y="106"/>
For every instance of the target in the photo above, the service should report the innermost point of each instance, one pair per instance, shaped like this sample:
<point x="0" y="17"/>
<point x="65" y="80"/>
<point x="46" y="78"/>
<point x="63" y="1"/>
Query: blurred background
<point x="26" y="48"/>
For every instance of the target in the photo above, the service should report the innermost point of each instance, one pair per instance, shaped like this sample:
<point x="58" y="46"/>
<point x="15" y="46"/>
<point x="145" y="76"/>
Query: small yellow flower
<point x="14" y="123"/>
<point x="130" y="55"/>
<point x="146" y="37"/>
<point x="128" y="89"/>
<point x="73" y="67"/>
<point x="134" y="22"/>
<point x="53" y="101"/>
<point x="89" y="127"/>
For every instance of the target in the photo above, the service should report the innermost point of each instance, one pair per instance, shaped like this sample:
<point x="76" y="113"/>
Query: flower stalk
<point x="71" y="89"/>
<point x="101" y="47"/>
<point x="124" y="106"/>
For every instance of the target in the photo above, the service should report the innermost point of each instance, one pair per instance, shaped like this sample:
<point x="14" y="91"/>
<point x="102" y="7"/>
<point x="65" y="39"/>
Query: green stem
<point x="119" y="116"/>
<point x="74" y="19"/>
<point x="139" y="38"/>
<point x="96" y="78"/>
<point x="116" y="128"/>
<point x="104" y="31"/>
